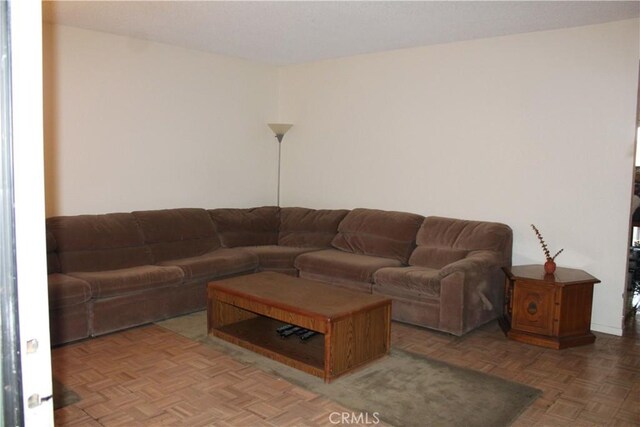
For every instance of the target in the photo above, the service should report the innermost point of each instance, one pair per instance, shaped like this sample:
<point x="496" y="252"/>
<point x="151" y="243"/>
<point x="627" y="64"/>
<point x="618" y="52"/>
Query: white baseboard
<point x="606" y="329"/>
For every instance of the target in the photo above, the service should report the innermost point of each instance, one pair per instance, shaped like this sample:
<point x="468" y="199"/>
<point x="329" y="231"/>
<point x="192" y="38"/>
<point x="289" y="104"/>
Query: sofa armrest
<point x="476" y="261"/>
<point x="471" y="291"/>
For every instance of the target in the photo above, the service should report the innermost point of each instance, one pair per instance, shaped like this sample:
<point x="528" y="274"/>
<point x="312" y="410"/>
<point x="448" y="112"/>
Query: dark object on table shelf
<point x="290" y="332"/>
<point x="307" y="335"/>
<point x="282" y="329"/>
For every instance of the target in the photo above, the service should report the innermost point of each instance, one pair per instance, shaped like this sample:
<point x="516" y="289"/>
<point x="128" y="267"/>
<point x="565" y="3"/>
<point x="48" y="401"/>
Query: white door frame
<point x="25" y="17"/>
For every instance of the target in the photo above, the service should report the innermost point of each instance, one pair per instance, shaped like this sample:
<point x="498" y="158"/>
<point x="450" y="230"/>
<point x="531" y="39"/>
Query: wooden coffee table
<point x="354" y="328"/>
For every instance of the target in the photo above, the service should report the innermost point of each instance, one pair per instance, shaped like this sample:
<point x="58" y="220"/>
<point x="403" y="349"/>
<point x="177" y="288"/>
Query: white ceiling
<point x="302" y="31"/>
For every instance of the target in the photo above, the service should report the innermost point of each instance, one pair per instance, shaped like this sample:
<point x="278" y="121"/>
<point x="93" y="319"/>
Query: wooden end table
<point x="354" y="327"/>
<point x="548" y="310"/>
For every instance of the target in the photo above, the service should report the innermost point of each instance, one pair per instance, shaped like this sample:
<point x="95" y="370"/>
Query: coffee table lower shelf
<point x="259" y="335"/>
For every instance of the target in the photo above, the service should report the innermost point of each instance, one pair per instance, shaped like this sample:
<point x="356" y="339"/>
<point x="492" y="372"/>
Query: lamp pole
<point x="279" y="129"/>
<point x="279" y="159"/>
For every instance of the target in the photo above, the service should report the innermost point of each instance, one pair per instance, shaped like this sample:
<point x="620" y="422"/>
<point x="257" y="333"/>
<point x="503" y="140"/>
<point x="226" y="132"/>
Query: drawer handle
<point x="532" y="308"/>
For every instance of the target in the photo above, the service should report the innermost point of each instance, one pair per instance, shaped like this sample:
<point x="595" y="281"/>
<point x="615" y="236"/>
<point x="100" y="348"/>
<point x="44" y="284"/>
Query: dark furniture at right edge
<point x="549" y="310"/>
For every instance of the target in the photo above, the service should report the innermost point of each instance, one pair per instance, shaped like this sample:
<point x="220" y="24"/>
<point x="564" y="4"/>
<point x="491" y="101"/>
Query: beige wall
<point x="131" y="124"/>
<point x="533" y="128"/>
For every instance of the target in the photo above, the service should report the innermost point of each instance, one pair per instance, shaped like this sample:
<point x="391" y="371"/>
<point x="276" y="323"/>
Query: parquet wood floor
<point x="150" y="376"/>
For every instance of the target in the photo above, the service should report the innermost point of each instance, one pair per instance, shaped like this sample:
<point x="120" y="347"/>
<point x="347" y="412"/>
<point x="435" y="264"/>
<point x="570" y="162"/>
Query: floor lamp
<point x="279" y="129"/>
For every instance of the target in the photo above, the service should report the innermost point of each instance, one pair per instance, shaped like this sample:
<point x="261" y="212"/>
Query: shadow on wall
<point x="50" y="100"/>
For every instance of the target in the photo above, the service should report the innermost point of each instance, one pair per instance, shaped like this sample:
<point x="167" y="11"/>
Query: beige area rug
<point x="404" y="389"/>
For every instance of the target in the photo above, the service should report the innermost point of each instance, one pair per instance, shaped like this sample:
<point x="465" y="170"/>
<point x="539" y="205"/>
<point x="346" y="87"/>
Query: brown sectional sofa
<point x="113" y="271"/>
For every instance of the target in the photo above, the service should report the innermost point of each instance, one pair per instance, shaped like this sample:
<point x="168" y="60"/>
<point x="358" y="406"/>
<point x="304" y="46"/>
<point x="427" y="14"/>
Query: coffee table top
<point x="299" y="295"/>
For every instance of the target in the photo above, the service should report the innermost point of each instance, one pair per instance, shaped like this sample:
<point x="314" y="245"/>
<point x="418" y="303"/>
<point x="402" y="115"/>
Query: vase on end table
<point x="550" y="267"/>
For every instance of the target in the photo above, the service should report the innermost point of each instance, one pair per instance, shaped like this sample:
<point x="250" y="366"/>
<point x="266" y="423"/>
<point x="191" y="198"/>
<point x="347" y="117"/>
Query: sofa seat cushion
<point x="378" y="233"/>
<point x="407" y="281"/>
<point x="129" y="280"/>
<point x="278" y="257"/>
<point x="221" y="262"/>
<point x="66" y="291"/>
<point x="435" y="257"/>
<point x="335" y="263"/>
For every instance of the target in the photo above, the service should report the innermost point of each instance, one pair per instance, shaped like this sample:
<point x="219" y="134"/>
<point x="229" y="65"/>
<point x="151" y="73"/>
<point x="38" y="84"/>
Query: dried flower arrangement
<point x="545" y="249"/>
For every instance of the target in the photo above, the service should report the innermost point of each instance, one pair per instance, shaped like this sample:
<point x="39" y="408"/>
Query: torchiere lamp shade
<point x="279" y="129"/>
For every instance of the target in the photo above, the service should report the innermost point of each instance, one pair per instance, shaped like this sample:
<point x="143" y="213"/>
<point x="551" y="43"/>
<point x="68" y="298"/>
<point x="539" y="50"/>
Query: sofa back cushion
<point x="53" y="263"/>
<point x="442" y="241"/>
<point x="98" y="242"/>
<point x="178" y="233"/>
<point x="374" y="232"/>
<point x="309" y="228"/>
<point x="247" y="227"/>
